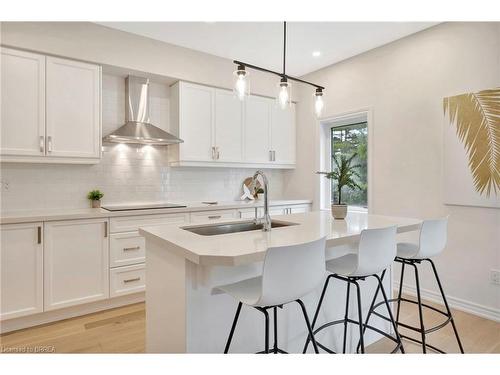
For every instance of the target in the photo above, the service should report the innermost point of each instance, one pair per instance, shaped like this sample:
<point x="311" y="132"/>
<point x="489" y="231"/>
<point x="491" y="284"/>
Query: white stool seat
<point x="247" y="291"/>
<point x="345" y="265"/>
<point x="407" y="250"/>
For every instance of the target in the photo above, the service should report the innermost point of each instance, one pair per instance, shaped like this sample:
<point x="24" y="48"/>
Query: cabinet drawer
<point x="132" y="223"/>
<point x="127" y="280"/>
<point x="126" y="248"/>
<point x="248" y="213"/>
<point x="197" y="217"/>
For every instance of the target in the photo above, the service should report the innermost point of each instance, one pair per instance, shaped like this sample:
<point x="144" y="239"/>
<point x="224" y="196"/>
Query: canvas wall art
<point x="471" y="158"/>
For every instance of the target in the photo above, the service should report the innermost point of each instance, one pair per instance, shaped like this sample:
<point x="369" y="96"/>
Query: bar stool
<point x="376" y="251"/>
<point x="432" y="241"/>
<point x="289" y="273"/>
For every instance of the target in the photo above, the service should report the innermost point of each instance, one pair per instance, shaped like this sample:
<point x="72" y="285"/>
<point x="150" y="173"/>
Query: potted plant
<point x="258" y="192"/>
<point x="95" y="197"/>
<point x="344" y="174"/>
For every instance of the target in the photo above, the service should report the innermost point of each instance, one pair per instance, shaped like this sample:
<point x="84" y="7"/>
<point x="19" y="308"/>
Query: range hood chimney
<point x="137" y="128"/>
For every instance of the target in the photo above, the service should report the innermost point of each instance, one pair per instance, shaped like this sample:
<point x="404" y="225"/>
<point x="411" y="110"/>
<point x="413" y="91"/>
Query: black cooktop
<point x="152" y="206"/>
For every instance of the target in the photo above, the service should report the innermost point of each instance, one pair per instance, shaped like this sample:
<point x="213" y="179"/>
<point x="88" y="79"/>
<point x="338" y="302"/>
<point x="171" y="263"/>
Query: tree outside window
<point x="347" y="140"/>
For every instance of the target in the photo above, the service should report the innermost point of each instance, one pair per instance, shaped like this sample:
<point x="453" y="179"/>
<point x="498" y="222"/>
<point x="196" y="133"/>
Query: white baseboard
<point x="69" y="312"/>
<point x="454" y="302"/>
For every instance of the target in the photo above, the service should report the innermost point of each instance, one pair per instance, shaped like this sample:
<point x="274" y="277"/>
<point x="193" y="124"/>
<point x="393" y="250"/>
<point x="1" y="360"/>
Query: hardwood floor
<point x="121" y="330"/>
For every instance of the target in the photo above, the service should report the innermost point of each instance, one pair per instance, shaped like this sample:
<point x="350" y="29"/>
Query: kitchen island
<point x="184" y="314"/>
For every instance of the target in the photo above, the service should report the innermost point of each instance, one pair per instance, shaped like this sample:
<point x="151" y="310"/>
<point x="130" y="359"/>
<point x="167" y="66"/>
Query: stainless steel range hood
<point x="138" y="128"/>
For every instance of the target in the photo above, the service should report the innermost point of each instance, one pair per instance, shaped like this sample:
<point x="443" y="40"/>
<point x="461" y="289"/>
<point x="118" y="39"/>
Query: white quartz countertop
<point x="248" y="247"/>
<point x="27" y="216"/>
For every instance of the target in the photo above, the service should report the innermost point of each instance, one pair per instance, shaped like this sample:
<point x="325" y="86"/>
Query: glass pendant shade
<point x="284" y="94"/>
<point x="319" y="104"/>
<point x="241" y="83"/>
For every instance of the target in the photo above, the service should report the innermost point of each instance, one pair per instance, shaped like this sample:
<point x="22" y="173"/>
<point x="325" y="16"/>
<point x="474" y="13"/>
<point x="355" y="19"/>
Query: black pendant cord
<point x="283" y="74"/>
<point x="284" y="49"/>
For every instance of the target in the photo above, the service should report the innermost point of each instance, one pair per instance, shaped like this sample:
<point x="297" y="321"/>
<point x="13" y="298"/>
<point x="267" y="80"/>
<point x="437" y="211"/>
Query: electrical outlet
<point x="495" y="277"/>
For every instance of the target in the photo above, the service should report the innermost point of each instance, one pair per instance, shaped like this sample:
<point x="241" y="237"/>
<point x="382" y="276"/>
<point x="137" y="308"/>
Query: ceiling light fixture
<point x="316" y="54"/>
<point x="284" y="94"/>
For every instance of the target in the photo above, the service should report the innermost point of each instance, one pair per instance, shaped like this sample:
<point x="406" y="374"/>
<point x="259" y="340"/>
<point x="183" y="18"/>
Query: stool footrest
<point x="366" y="326"/>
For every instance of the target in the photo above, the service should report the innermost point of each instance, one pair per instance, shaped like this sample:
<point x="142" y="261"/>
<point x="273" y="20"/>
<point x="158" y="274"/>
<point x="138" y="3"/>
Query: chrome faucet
<point x="266" y="220"/>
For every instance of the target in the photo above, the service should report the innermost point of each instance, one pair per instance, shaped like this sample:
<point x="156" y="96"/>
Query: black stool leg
<point x="446" y="305"/>
<point x="346" y="316"/>
<point x="371" y="308"/>
<point x="266" y="315"/>
<point x="317" y="312"/>
<point x="398" y="337"/>
<point x="228" y="343"/>
<point x="360" y="318"/>
<point x="400" y="291"/>
<point x="420" y="313"/>
<point x="309" y="328"/>
<point x="275" y="348"/>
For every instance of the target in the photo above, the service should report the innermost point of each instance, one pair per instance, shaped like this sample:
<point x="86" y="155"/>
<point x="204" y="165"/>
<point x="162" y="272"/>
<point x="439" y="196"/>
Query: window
<point x="340" y="137"/>
<point x="349" y="146"/>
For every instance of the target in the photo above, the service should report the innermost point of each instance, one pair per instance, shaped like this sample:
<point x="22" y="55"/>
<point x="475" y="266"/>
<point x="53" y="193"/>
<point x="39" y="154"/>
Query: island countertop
<point x="248" y="247"/>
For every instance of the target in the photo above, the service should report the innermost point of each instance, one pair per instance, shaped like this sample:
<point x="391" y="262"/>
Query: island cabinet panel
<point x="76" y="262"/>
<point x="132" y="223"/>
<point x="207" y="216"/>
<point x="21" y="255"/>
<point x="22" y="103"/>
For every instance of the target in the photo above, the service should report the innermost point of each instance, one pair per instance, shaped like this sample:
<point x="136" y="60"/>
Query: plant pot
<point x="96" y="204"/>
<point x="339" y="211"/>
<point x="258" y="196"/>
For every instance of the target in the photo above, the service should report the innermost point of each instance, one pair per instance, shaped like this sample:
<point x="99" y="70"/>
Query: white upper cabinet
<point x="221" y="131"/>
<point x="257" y="125"/>
<point x="228" y="127"/>
<point x="196" y="117"/>
<point x="51" y="109"/>
<point x="73" y="109"/>
<point x="21" y="270"/>
<point x="283" y="135"/>
<point x="76" y="262"/>
<point x="23" y="103"/>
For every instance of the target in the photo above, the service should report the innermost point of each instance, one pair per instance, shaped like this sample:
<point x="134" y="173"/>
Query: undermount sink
<point x="226" y="228"/>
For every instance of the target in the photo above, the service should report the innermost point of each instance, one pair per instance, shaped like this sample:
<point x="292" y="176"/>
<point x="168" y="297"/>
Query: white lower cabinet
<point x="21" y="261"/>
<point x="127" y="280"/>
<point x="76" y="262"/>
<point x="126" y="249"/>
<point x="198" y="217"/>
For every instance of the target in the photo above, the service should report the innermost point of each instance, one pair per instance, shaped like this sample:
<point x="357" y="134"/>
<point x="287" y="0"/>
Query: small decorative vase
<point x="258" y="196"/>
<point x="339" y="211"/>
<point x="96" y="204"/>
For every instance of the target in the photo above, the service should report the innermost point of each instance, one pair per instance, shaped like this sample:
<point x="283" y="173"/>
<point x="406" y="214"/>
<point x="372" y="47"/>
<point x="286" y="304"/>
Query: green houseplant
<point x="95" y="198"/>
<point x="344" y="174"/>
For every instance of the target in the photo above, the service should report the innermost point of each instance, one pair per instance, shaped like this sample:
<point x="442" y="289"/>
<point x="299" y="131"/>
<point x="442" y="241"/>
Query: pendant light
<point x="241" y="83"/>
<point x="319" y="104"/>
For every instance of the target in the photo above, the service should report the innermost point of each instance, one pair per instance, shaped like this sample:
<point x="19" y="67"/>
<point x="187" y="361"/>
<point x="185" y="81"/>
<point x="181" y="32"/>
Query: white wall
<point x="404" y="83"/>
<point x="124" y="174"/>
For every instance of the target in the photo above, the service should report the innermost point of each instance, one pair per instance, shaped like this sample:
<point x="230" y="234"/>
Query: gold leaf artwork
<point x="477" y="120"/>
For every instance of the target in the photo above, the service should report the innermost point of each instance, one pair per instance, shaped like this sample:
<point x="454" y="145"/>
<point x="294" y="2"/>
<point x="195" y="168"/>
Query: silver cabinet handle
<point x="39" y="235"/>
<point x="274" y="155"/>
<point x="49" y="143"/>
<point x="131" y="280"/>
<point x="215" y="217"/>
<point x="270" y="155"/>
<point x="131" y="248"/>
<point x="105" y="229"/>
<point x="218" y="153"/>
<point x="213" y="152"/>
<point x="42" y="143"/>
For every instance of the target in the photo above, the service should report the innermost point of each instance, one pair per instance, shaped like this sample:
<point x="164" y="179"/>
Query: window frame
<point x="326" y="125"/>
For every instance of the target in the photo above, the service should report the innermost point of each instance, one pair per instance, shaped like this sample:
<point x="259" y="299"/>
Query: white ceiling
<point x="261" y="43"/>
